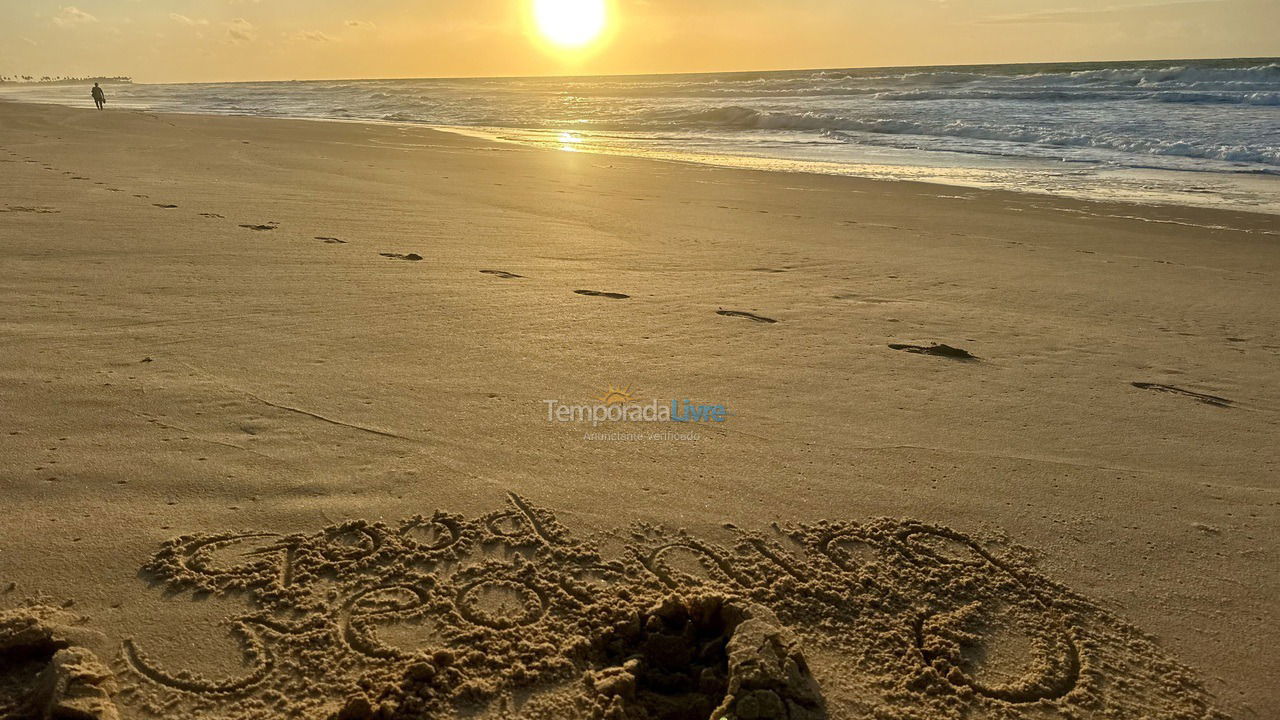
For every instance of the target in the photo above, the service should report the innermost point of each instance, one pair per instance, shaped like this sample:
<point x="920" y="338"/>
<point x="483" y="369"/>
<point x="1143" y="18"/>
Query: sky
<point x="230" y="40"/>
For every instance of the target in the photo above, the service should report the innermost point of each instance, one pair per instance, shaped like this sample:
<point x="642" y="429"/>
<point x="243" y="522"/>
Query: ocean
<point x="1194" y="132"/>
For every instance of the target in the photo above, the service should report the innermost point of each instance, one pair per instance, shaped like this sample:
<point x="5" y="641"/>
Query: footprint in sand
<point x="331" y="240"/>
<point x="936" y="350"/>
<point x="597" y="293"/>
<point x="412" y="257"/>
<point x="502" y="274"/>
<point x="749" y="316"/>
<point x="165" y="206"/>
<point x="1213" y="400"/>
<point x="260" y="228"/>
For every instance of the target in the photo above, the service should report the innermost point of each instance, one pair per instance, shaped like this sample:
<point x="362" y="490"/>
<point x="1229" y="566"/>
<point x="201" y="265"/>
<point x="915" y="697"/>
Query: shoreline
<point x="224" y="326"/>
<point x="966" y="173"/>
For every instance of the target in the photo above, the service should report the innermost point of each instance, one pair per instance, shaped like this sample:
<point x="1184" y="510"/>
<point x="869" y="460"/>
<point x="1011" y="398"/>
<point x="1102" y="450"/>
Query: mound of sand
<point x="49" y="673"/>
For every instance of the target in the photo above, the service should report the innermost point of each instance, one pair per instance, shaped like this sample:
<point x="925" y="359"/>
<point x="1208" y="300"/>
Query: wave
<point x="1268" y="74"/>
<point x="1058" y="95"/>
<point x="1248" y="98"/>
<point x="745" y="118"/>
<point x="1265" y="75"/>
<point x="1241" y="79"/>
<point x="1219" y="116"/>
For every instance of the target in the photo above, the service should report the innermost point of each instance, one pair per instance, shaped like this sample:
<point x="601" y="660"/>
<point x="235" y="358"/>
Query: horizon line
<point x="553" y="76"/>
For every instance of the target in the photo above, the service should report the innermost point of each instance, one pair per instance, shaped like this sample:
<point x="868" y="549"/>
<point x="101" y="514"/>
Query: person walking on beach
<point x="99" y="97"/>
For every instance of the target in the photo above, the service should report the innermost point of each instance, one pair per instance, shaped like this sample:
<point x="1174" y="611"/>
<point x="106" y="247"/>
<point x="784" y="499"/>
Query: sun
<point x="570" y="23"/>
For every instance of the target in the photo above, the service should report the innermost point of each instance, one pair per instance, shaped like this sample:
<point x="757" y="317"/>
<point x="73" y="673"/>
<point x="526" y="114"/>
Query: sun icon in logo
<point x="617" y="396"/>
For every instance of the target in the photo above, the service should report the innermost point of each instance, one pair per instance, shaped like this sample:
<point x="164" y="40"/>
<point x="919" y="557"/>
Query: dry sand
<point x="273" y="439"/>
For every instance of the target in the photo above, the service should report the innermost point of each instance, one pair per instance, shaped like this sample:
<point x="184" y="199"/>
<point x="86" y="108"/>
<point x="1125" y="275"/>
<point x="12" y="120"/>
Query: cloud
<point x="184" y="20"/>
<point x="72" y="15"/>
<point x="241" y="30"/>
<point x="1079" y="15"/>
<point x="361" y="24"/>
<point x="313" y="35"/>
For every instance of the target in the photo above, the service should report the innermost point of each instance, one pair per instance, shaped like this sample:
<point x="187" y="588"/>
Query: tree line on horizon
<point x="60" y="79"/>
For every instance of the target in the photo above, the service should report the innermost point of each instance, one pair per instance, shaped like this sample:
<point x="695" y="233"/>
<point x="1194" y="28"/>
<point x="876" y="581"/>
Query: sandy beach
<point x="275" y="435"/>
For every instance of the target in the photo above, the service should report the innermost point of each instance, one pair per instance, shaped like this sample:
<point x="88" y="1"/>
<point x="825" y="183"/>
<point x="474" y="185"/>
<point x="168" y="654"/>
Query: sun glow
<point x="570" y="23"/>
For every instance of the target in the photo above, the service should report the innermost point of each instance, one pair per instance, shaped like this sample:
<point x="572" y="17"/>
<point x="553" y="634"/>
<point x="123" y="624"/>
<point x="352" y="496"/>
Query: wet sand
<point x="275" y="434"/>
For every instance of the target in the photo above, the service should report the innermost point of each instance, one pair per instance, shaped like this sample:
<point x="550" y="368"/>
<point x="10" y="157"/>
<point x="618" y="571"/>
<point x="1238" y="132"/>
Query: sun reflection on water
<point x="569" y="142"/>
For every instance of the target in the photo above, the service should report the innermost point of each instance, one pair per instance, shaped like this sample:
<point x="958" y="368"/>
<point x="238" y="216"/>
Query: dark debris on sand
<point x="937" y="350"/>
<point x="597" y="293"/>
<point x="1213" y="400"/>
<point x="749" y="316"/>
